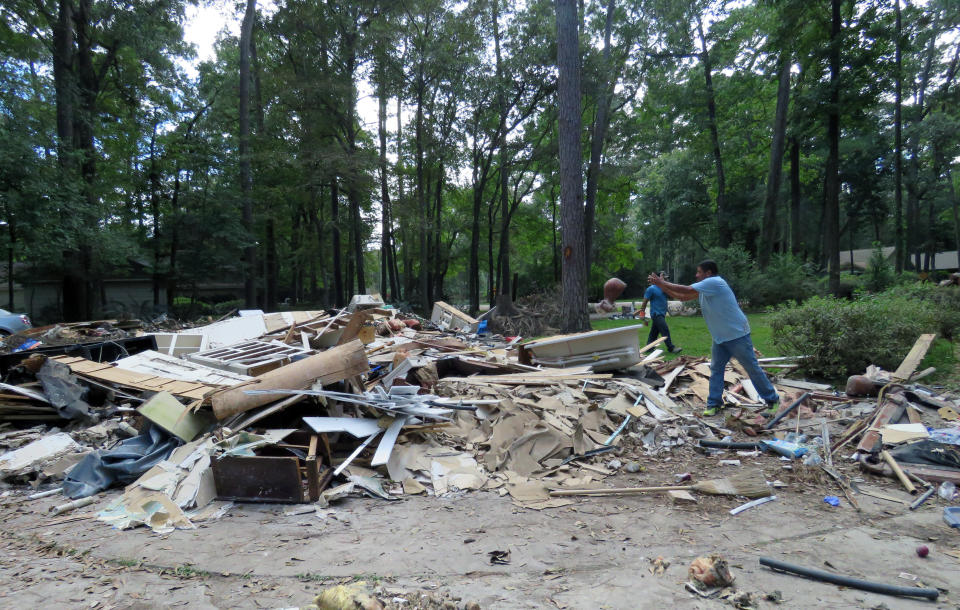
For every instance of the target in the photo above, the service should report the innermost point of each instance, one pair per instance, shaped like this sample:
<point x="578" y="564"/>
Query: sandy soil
<point x="596" y="553"/>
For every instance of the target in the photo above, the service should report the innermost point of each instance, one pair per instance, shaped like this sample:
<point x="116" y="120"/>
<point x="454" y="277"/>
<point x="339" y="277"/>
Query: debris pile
<point x="309" y="408"/>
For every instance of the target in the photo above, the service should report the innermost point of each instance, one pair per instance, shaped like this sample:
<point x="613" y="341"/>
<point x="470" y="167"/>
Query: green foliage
<point x="879" y="273"/>
<point x="786" y="278"/>
<point x="841" y="337"/>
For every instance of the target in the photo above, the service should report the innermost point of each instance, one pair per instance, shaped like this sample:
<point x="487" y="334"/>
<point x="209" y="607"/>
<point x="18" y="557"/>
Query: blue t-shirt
<point x="723" y="316"/>
<point x="658" y="300"/>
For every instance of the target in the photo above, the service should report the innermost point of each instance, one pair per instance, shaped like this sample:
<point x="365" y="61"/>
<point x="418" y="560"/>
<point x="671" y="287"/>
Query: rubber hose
<point x="846" y="581"/>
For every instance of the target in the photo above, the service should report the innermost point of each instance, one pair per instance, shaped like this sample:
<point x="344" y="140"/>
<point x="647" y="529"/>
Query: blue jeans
<point x="741" y="349"/>
<point x="658" y="327"/>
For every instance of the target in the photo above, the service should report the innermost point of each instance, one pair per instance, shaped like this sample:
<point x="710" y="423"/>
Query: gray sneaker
<point x="676" y="349"/>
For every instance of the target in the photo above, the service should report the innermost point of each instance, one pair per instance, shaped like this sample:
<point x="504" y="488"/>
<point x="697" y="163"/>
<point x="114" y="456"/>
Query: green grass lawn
<point x="691" y="334"/>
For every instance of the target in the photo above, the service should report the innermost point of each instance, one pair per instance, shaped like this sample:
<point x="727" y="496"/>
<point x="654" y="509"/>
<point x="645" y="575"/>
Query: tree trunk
<point x="913" y="229"/>
<point x="437" y="259"/>
<point x="598" y="139"/>
<point x="505" y="305"/>
<point x="555" y="251"/>
<point x="574" y="307"/>
<point x="335" y="230"/>
<point x="154" y="178"/>
<point x="400" y="200"/>
<point x="353" y="194"/>
<point x="473" y="269"/>
<point x="831" y="218"/>
<point x="65" y="87"/>
<point x="384" y="194"/>
<point x="270" y="294"/>
<point x="723" y="224"/>
<point x="246" y="176"/>
<point x="898" y="243"/>
<point x="421" y="194"/>
<point x="64" y="81"/>
<point x="795" y="243"/>
<point x="776" y="163"/>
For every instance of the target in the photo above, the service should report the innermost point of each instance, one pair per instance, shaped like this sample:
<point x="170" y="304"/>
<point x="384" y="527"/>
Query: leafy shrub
<point x="786" y="278"/>
<point x="738" y="268"/>
<point x="226" y="307"/>
<point x="850" y="285"/>
<point x="185" y="308"/>
<point x="842" y="337"/>
<point x="879" y="275"/>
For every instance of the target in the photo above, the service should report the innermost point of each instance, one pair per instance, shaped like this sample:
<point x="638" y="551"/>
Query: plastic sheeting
<point x="123" y="464"/>
<point x="928" y="452"/>
<point x="63" y="391"/>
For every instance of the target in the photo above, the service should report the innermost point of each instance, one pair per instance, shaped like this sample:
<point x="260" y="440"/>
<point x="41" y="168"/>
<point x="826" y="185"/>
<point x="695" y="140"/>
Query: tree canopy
<point x="422" y="149"/>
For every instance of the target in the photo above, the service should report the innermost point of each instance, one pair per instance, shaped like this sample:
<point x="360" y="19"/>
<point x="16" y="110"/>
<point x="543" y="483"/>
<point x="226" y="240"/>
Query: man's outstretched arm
<point x="677" y="291"/>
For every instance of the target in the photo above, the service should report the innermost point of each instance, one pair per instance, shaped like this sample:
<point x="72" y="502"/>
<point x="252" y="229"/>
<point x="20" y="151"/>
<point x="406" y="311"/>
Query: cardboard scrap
<point x="145" y="507"/>
<point x="949" y="413"/>
<point x="901" y="433"/>
<point x="524" y="490"/>
<point x="412" y="487"/>
<point x="453" y="472"/>
<point x="681" y="496"/>
<point x="620" y="405"/>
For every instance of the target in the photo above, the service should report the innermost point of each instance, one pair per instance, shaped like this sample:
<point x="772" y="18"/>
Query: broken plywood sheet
<point x="161" y="365"/>
<point x="107" y="373"/>
<point x="284" y="319"/>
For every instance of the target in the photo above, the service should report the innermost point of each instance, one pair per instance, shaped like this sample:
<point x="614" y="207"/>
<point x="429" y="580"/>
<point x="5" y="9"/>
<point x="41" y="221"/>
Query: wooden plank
<point x="803" y="385"/>
<point x="915" y="357"/>
<point x="357" y="319"/>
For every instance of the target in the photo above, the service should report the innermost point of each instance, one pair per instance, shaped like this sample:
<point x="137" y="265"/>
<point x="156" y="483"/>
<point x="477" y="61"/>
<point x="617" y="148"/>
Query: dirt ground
<point x="596" y="553"/>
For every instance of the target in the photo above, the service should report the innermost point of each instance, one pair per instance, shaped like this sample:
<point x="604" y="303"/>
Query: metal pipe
<point x="63" y="508"/>
<point x="731" y="445"/>
<point x="846" y="581"/>
<point x="785" y="412"/>
<point x="926" y="496"/>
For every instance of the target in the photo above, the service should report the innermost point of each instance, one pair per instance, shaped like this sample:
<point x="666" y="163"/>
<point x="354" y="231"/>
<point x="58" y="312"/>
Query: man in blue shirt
<point x="730" y="331"/>
<point x="658" y="314"/>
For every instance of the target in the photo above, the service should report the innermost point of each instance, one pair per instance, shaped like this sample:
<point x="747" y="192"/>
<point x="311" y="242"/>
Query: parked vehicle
<point x="11" y="323"/>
